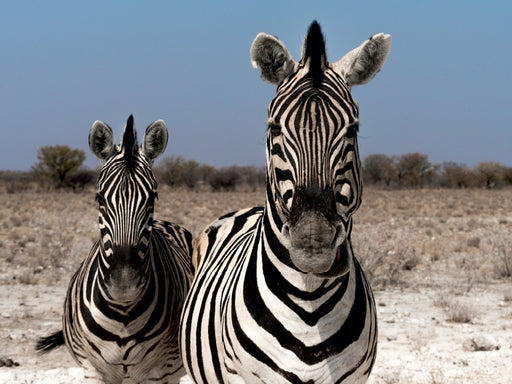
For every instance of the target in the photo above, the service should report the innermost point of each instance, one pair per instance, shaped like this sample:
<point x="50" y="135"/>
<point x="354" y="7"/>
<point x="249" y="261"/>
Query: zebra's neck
<point x="313" y="305"/>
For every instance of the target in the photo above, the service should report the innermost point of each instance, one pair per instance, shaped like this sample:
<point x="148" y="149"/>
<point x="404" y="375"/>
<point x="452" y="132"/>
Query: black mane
<point x="129" y="142"/>
<point x="314" y="50"/>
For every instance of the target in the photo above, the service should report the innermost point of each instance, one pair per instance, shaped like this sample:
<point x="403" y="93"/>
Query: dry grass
<point x="457" y="311"/>
<point x="416" y="247"/>
<point x="402" y="238"/>
<point x="415" y="236"/>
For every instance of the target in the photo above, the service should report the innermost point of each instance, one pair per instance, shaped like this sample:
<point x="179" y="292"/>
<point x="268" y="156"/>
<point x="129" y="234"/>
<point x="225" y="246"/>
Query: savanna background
<point x="438" y="254"/>
<point x="433" y="232"/>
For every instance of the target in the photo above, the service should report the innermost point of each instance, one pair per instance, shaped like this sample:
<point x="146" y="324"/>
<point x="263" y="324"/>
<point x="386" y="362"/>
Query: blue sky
<point x="444" y="91"/>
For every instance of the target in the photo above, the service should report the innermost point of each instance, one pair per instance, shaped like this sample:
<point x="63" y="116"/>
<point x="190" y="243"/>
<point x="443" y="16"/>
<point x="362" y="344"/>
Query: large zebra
<point x="123" y="305"/>
<point x="278" y="296"/>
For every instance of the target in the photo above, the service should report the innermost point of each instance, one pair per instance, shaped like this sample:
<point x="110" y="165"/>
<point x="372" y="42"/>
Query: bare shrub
<point x="179" y="172"/>
<point x="81" y="179"/>
<point x="503" y="254"/>
<point x="507" y="175"/>
<point x="27" y="277"/>
<point x="252" y="177"/>
<point x="384" y="263"/>
<point x="225" y="179"/>
<point x="414" y="169"/>
<point x="379" y="169"/>
<point x="453" y="175"/>
<point x="456" y="311"/>
<point x="437" y="377"/>
<point x="473" y="242"/>
<point x="491" y="172"/>
<point x="16" y="182"/>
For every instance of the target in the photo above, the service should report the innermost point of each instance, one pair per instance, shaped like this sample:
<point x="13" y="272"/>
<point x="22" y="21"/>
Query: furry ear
<point x="101" y="140"/>
<point x="361" y="64"/>
<point x="155" y="140"/>
<point x="272" y="57"/>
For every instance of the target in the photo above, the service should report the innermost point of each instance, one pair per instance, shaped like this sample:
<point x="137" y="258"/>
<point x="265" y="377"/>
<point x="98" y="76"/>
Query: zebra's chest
<point x="136" y="359"/>
<point x="281" y="337"/>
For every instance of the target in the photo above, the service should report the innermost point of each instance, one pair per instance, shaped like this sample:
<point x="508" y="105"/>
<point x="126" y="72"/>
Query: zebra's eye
<point x="274" y="129"/>
<point x="352" y="131"/>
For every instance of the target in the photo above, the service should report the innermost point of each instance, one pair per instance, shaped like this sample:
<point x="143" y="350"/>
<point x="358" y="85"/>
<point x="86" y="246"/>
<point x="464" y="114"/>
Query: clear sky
<point x="445" y="90"/>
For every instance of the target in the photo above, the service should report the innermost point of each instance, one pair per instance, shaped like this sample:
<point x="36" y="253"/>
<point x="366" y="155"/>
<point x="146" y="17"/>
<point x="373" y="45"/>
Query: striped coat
<point x="278" y="296"/>
<point x="123" y="305"/>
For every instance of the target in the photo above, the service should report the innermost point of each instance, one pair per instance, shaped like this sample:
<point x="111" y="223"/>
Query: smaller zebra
<point x="123" y="305"/>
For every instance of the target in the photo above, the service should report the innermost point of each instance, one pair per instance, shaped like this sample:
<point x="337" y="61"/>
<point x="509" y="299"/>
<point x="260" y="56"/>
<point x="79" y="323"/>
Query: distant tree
<point x="379" y="168"/>
<point x="507" y="175"/>
<point x="414" y="169"/>
<point x="453" y="175"/>
<point x="80" y="179"/>
<point x="225" y="179"/>
<point x="58" y="162"/>
<point x="491" y="172"/>
<point x="179" y="172"/>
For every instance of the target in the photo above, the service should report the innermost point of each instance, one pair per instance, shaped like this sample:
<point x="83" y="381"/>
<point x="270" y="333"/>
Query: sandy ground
<point x="416" y="342"/>
<point x="438" y="255"/>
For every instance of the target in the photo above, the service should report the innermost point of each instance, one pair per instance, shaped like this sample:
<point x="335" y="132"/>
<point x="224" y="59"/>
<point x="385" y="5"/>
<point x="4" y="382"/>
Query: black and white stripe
<point x="278" y="296"/>
<point x="123" y="305"/>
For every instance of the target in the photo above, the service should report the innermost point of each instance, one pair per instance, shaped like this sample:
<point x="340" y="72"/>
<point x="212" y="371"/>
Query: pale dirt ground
<point x="436" y="259"/>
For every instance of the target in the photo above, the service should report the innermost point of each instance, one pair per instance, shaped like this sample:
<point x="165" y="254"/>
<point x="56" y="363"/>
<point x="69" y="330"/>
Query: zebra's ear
<point x="361" y="64"/>
<point x="101" y="140"/>
<point x="155" y="140"/>
<point x="272" y="57"/>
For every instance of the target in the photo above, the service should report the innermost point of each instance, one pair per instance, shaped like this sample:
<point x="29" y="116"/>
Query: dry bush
<point x="178" y="172"/>
<point x="16" y="182"/>
<point x="226" y="179"/>
<point x="502" y="251"/>
<point x="456" y="311"/>
<point x="434" y="233"/>
<point x="384" y="258"/>
<point x="380" y="169"/>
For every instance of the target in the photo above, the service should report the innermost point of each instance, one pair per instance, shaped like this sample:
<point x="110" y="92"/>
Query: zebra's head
<point x="126" y="192"/>
<point x="313" y="167"/>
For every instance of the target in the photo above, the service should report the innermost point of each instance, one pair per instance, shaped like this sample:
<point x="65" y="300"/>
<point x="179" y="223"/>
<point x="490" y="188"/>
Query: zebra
<point x="278" y="296"/>
<point x="123" y="305"/>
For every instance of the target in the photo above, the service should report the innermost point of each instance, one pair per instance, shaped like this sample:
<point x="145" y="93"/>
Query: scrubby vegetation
<point x="59" y="167"/>
<point x="414" y="170"/>
<point x="439" y="261"/>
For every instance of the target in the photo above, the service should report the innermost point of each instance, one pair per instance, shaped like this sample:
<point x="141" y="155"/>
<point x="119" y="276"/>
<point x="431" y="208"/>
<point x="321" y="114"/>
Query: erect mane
<point x="129" y="142"/>
<point x="314" y="51"/>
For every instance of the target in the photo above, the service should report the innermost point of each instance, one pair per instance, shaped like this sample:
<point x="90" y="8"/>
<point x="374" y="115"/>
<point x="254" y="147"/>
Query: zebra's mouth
<point x="341" y="263"/>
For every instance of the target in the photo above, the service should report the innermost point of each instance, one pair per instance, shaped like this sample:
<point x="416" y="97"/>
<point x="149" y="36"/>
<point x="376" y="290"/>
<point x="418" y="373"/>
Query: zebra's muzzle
<point x="313" y="242"/>
<point x="125" y="276"/>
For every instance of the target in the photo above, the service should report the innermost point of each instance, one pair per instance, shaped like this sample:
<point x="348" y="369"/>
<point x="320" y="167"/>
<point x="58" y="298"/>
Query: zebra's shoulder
<point x="241" y="217"/>
<point x="228" y="225"/>
<point x="174" y="233"/>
